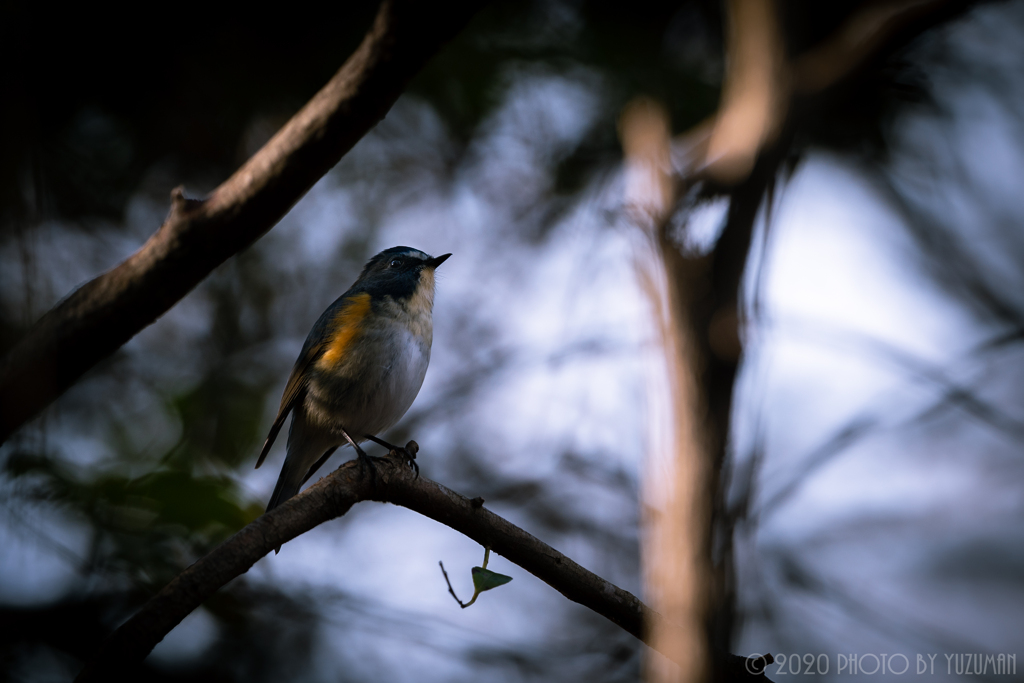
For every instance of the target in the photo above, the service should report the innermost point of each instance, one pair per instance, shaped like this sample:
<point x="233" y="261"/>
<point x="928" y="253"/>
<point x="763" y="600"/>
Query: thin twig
<point x="450" y="589"/>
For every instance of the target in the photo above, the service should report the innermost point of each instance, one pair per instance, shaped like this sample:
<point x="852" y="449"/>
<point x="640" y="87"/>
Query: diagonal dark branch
<point x="332" y="497"/>
<point x="197" y="236"/>
<point x="873" y="30"/>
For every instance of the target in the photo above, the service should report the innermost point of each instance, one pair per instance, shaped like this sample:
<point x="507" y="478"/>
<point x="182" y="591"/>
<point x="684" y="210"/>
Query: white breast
<point x="380" y="380"/>
<point x="409" y="356"/>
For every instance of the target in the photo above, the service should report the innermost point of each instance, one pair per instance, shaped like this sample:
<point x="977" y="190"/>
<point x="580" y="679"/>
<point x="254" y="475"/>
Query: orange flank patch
<point x="346" y="327"/>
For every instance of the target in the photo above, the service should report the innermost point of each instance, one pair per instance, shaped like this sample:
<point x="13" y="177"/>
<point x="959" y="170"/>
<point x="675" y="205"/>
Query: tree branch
<point x="760" y="85"/>
<point x="677" y="478"/>
<point x="755" y="92"/>
<point x="867" y="33"/>
<point x="197" y="236"/>
<point x="695" y="297"/>
<point x="332" y="497"/>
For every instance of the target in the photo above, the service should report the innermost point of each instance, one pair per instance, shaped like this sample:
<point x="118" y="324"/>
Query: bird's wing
<point x="292" y="393"/>
<point x="336" y="328"/>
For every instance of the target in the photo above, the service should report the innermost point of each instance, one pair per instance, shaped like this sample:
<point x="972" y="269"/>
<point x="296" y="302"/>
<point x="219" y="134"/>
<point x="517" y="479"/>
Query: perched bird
<point x="361" y="366"/>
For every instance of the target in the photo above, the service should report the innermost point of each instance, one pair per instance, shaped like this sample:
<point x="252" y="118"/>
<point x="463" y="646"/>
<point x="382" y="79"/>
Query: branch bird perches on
<point x="332" y="497"/>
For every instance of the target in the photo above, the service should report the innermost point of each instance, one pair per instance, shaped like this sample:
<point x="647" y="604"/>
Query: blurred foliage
<point x="144" y="528"/>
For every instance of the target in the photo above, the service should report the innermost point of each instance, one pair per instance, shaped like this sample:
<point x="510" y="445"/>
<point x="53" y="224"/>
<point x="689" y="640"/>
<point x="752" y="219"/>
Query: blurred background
<point x="874" y="469"/>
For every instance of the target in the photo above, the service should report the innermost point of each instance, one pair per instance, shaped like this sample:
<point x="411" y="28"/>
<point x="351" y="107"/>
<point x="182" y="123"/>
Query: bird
<point x="360" y="367"/>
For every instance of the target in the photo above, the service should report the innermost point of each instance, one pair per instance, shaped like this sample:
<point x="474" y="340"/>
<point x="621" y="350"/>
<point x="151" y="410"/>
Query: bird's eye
<point x="395" y="263"/>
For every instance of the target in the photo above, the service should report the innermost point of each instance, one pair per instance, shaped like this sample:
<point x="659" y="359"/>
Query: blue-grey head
<point x="399" y="272"/>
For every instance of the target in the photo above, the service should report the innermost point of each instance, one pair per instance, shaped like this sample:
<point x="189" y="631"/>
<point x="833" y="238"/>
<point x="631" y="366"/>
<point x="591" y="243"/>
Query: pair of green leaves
<point x="483" y="580"/>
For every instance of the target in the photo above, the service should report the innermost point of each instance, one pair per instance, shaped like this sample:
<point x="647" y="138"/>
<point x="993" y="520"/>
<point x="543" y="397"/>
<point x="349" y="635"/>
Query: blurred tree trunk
<point x="675" y="485"/>
<point x="696" y="299"/>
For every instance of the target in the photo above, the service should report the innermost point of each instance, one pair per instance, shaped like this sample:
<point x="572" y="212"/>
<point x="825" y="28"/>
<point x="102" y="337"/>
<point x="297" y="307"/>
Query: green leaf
<point x="485" y="579"/>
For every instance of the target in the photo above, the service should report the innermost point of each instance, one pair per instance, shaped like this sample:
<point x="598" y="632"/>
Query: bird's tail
<point x="308" y="449"/>
<point x="288" y="484"/>
<point x="305" y="446"/>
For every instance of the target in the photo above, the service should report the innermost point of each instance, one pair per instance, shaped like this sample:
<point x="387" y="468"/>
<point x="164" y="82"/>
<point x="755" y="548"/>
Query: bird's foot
<point x="368" y="464"/>
<point x="407" y="453"/>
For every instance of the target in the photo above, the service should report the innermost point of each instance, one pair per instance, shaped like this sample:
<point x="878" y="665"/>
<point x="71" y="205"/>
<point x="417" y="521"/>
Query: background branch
<point x="761" y="83"/>
<point x="197" y="236"/>
<point x="677" y="481"/>
<point x="865" y="35"/>
<point x="695" y="297"/>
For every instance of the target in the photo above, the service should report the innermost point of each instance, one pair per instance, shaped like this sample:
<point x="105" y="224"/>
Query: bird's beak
<point x="437" y="260"/>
